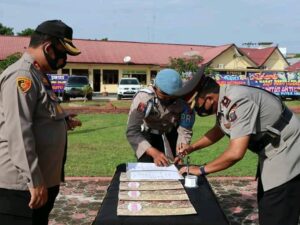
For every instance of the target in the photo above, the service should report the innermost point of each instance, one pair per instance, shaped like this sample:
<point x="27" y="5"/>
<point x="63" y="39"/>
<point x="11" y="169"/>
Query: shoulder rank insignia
<point x="24" y="83"/>
<point x="225" y="101"/>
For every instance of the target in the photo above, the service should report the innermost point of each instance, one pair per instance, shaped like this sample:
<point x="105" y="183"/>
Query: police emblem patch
<point x="141" y="107"/>
<point x="24" y="83"/>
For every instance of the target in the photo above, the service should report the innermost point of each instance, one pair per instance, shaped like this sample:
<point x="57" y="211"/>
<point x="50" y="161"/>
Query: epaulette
<point x="145" y="90"/>
<point x="148" y="91"/>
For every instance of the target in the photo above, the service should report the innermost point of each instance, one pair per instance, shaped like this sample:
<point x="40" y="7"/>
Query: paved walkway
<point x="80" y="198"/>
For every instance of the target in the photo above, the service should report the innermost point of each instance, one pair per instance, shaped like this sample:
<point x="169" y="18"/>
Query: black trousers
<point x="14" y="208"/>
<point x="280" y="205"/>
<point x="157" y="142"/>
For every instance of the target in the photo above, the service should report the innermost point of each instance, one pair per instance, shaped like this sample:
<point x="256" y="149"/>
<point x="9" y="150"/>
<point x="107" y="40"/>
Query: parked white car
<point x="128" y="87"/>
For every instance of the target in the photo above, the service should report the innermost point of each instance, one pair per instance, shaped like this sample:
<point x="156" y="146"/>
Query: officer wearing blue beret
<point x="159" y="121"/>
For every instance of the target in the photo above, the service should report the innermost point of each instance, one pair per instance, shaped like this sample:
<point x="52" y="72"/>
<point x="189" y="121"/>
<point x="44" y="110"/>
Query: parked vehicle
<point x="77" y="86"/>
<point x="128" y="87"/>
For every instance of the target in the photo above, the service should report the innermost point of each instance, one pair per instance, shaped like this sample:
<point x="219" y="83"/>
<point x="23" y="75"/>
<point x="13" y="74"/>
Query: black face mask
<point x="202" y="111"/>
<point x="167" y="102"/>
<point x="53" y="63"/>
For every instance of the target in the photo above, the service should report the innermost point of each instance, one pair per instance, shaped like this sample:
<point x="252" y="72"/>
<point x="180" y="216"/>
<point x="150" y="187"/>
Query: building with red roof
<point x="294" y="67"/>
<point x="105" y="62"/>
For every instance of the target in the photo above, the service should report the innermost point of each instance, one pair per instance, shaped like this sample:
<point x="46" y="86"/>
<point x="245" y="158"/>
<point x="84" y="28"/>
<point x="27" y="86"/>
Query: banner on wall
<point x="279" y="83"/>
<point x="58" y="82"/>
<point x="231" y="77"/>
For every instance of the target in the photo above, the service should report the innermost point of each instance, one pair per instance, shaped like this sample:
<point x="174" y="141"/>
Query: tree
<point x="26" y="32"/>
<point x="9" y="60"/>
<point x="6" y="30"/>
<point x="185" y="65"/>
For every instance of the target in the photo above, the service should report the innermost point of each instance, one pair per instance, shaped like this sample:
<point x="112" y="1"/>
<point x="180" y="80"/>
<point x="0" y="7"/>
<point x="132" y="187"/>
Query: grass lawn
<point x="96" y="148"/>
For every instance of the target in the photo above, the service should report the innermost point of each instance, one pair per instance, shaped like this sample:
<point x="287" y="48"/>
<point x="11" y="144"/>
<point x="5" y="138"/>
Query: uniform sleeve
<point x="243" y="116"/>
<point x="187" y="120"/>
<point x="19" y="100"/>
<point x="135" y="120"/>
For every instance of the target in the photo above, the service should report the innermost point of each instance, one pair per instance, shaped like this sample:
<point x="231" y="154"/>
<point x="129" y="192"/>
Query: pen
<point x="187" y="165"/>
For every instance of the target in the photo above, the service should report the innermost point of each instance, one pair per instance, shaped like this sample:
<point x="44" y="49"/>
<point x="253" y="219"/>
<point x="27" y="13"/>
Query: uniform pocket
<point x="56" y="111"/>
<point x="271" y="150"/>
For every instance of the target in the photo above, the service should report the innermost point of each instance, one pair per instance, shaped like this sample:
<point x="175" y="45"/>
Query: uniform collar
<point x="27" y="57"/>
<point x="222" y="93"/>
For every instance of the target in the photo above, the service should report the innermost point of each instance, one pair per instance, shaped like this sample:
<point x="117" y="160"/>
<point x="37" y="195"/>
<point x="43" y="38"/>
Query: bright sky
<point x="207" y="22"/>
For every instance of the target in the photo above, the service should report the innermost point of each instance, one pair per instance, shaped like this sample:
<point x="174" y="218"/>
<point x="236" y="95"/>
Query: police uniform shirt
<point x="161" y="118"/>
<point x="32" y="128"/>
<point x="250" y="111"/>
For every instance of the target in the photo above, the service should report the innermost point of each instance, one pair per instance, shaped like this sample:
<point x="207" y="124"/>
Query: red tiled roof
<point x="294" y="68"/>
<point x="259" y="56"/>
<point x="113" y="52"/>
<point x="12" y="44"/>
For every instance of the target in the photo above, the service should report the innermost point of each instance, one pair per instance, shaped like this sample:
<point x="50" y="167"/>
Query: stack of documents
<point x="149" y="171"/>
<point x="149" y="190"/>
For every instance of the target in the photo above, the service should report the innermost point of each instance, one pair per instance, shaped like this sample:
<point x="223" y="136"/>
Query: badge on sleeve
<point x="24" y="83"/>
<point x="141" y="107"/>
<point x="187" y="119"/>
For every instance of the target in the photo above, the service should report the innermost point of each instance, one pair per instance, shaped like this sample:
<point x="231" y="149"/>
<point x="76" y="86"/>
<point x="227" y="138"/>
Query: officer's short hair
<point x="38" y="39"/>
<point x="209" y="86"/>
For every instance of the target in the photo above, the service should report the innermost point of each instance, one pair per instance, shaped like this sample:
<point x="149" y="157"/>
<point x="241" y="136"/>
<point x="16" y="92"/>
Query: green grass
<point x="292" y="103"/>
<point x="96" y="148"/>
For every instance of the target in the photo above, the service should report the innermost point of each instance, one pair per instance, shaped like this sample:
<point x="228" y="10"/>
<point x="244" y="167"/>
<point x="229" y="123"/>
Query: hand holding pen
<point x="182" y="151"/>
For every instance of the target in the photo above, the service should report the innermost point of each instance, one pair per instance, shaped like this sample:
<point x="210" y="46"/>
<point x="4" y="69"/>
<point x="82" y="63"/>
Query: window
<point x="65" y="71"/>
<point x="84" y="72"/>
<point x="141" y="75"/>
<point x="110" y="76"/>
<point x="129" y="81"/>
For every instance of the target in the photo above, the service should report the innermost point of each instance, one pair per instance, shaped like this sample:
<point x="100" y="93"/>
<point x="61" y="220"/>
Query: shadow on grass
<point x="92" y="130"/>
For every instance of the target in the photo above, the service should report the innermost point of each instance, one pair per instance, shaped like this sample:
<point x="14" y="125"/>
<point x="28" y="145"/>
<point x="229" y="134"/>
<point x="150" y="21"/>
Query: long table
<point x="203" y="199"/>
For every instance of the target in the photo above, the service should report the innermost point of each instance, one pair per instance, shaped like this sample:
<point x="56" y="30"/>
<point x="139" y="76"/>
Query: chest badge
<point x="232" y="116"/>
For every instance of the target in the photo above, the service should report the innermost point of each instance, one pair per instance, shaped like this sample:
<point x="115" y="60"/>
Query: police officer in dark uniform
<point x="33" y="128"/>
<point x="159" y="121"/>
<point x="257" y="120"/>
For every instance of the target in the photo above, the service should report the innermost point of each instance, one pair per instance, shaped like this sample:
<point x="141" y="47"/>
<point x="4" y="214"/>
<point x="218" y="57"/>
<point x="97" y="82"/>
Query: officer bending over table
<point x="257" y="120"/>
<point x="159" y="121"/>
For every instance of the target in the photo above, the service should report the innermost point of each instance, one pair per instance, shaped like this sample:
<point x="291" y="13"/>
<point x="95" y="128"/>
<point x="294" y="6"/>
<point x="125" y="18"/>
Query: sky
<point x="201" y="22"/>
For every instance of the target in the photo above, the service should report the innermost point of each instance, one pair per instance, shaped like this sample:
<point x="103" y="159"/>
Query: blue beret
<point x="168" y="81"/>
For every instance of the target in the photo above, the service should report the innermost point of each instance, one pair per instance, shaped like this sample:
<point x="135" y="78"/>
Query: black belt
<point x="267" y="138"/>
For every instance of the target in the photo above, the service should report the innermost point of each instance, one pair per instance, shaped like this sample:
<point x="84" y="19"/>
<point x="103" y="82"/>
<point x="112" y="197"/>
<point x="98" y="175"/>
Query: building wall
<point x="276" y="62"/>
<point x="123" y="71"/>
<point x="231" y="60"/>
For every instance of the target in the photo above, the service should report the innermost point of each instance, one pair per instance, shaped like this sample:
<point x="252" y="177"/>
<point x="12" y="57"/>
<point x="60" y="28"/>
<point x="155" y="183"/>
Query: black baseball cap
<point x="64" y="33"/>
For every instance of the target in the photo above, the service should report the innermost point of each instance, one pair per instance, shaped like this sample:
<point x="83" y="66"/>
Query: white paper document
<point x="149" y="171"/>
